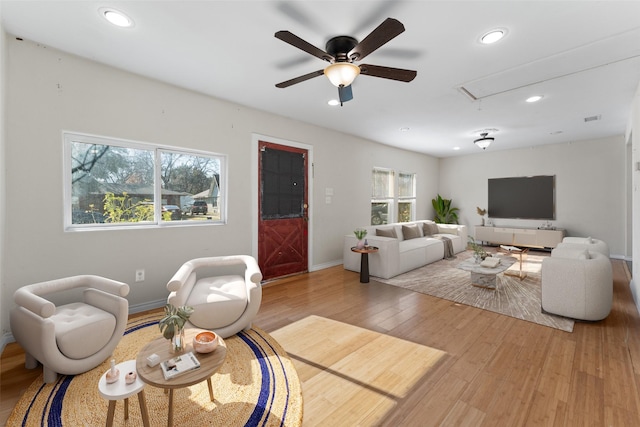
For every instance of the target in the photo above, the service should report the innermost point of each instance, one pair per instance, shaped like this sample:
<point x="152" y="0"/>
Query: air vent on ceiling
<point x="592" y="118"/>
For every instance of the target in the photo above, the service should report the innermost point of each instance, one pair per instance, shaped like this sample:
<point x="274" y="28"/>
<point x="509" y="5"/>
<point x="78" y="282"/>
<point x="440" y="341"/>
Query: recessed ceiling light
<point x="404" y="129"/>
<point x="493" y="36"/>
<point x="333" y="102"/>
<point x="116" y="17"/>
<point x="456" y="148"/>
<point x="534" y="98"/>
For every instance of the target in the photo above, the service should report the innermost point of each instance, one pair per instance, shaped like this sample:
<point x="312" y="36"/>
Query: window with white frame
<point x="391" y="189"/>
<point x="116" y="183"/>
<point x="406" y="196"/>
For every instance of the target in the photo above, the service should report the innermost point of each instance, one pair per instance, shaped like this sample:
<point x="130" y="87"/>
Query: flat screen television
<point x="527" y="197"/>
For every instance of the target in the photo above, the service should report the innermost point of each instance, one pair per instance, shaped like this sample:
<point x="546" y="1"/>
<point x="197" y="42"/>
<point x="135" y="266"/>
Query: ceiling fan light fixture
<point x="484" y="141"/>
<point x="342" y="73"/>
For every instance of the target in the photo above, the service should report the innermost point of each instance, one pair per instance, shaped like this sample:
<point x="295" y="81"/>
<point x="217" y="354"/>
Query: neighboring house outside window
<point x="115" y="183"/>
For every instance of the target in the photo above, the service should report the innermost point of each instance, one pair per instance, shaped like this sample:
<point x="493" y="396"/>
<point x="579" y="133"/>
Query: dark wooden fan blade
<point x="389" y="29"/>
<point x="388" y="72"/>
<point x="300" y="79"/>
<point x="295" y="41"/>
<point x="345" y="93"/>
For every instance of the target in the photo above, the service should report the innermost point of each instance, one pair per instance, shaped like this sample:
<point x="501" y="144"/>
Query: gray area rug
<point x="513" y="297"/>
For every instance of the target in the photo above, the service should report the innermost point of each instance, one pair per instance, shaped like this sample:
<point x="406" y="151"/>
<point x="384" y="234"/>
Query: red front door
<point x="283" y="202"/>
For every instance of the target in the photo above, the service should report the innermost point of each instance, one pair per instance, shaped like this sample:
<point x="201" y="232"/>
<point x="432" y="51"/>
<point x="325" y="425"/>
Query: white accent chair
<point x="577" y="284"/>
<point x="588" y="243"/>
<point x="74" y="337"/>
<point x="225" y="292"/>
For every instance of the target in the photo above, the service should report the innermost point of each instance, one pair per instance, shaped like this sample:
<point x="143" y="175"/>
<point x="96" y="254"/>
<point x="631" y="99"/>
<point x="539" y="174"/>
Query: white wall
<point x="590" y="185"/>
<point x="635" y="202"/>
<point x="49" y="91"/>
<point x="3" y="157"/>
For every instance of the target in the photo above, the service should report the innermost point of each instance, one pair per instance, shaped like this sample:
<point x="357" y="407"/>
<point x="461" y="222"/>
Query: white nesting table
<point x="121" y="390"/>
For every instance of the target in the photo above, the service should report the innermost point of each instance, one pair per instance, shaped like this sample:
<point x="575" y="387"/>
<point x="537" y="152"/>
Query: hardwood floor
<point x="497" y="371"/>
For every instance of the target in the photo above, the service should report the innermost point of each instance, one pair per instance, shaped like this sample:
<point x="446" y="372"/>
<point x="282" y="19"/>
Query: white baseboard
<point x="634" y="294"/>
<point x="151" y="305"/>
<point x="329" y="264"/>
<point x="7" y="338"/>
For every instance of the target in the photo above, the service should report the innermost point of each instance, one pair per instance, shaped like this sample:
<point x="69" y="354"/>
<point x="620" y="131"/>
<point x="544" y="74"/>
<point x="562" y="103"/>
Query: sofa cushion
<point x="410" y="232"/>
<point x="230" y="290"/>
<point x="386" y="232"/>
<point x="82" y="329"/>
<point x="429" y="228"/>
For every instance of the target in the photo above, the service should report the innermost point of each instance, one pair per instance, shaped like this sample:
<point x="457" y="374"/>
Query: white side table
<point x="121" y="390"/>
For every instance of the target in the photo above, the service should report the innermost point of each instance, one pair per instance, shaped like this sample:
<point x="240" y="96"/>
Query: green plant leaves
<point x="174" y="319"/>
<point x="445" y="214"/>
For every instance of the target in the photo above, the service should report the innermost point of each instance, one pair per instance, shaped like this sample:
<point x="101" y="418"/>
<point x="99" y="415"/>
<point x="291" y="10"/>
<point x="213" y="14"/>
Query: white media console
<point x="530" y="237"/>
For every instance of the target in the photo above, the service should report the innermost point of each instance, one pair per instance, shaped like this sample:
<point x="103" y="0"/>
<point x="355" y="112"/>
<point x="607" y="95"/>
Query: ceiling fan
<point x="343" y="51"/>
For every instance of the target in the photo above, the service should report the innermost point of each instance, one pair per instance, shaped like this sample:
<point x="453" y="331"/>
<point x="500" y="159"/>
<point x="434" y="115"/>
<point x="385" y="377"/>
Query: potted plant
<point x="172" y="324"/>
<point x="481" y="212"/>
<point x="360" y="233"/>
<point x="445" y="214"/>
<point x="479" y="253"/>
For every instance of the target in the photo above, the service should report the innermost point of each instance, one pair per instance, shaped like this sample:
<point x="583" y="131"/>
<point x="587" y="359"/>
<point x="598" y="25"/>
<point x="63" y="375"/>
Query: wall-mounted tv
<point x="527" y="197"/>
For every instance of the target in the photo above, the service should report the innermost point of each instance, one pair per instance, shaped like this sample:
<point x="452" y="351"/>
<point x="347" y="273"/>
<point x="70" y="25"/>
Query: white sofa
<point x="577" y="283"/>
<point x="399" y="255"/>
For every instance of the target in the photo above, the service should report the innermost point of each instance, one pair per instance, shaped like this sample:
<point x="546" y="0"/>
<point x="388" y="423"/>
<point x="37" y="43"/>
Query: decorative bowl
<point x="205" y="342"/>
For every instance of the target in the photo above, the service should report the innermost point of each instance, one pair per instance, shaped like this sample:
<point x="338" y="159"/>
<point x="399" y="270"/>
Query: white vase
<point x="360" y="244"/>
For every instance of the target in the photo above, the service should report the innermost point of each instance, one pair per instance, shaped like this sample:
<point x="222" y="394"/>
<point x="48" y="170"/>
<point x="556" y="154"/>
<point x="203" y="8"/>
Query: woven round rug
<point x="256" y="386"/>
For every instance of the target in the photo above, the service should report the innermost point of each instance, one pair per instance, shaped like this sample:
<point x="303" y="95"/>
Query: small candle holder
<point x="130" y="377"/>
<point x="113" y="374"/>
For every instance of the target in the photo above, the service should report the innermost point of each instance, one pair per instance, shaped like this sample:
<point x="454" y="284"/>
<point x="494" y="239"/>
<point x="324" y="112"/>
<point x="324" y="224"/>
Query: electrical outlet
<point x="140" y="275"/>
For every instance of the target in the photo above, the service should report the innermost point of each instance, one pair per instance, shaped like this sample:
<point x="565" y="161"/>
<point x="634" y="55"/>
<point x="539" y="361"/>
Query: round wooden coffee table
<point x="209" y="364"/>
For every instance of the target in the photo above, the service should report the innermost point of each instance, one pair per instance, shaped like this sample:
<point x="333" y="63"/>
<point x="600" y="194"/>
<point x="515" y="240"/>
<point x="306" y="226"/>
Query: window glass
<point x="190" y="186"/>
<point x="112" y="182"/>
<point x="406" y="187"/>
<point x="388" y="192"/>
<point x="382" y="190"/>
<point x="406" y="196"/>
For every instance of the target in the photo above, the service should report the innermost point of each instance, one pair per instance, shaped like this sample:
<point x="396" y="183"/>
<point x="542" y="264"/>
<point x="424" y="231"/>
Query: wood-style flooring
<point x="497" y="371"/>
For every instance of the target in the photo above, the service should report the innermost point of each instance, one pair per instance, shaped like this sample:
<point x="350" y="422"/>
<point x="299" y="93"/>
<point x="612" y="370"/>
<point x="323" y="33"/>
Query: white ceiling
<point x="583" y="56"/>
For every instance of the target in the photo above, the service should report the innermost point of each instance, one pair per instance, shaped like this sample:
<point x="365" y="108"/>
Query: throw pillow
<point x="410" y="232"/>
<point x="386" y="232"/>
<point x="429" y="228"/>
<point x="584" y="255"/>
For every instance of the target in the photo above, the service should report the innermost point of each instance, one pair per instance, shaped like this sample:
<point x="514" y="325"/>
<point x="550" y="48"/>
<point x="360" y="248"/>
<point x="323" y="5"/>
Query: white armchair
<point x="225" y="292"/>
<point x="577" y="284"/>
<point x="588" y="243"/>
<point x="74" y="337"/>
